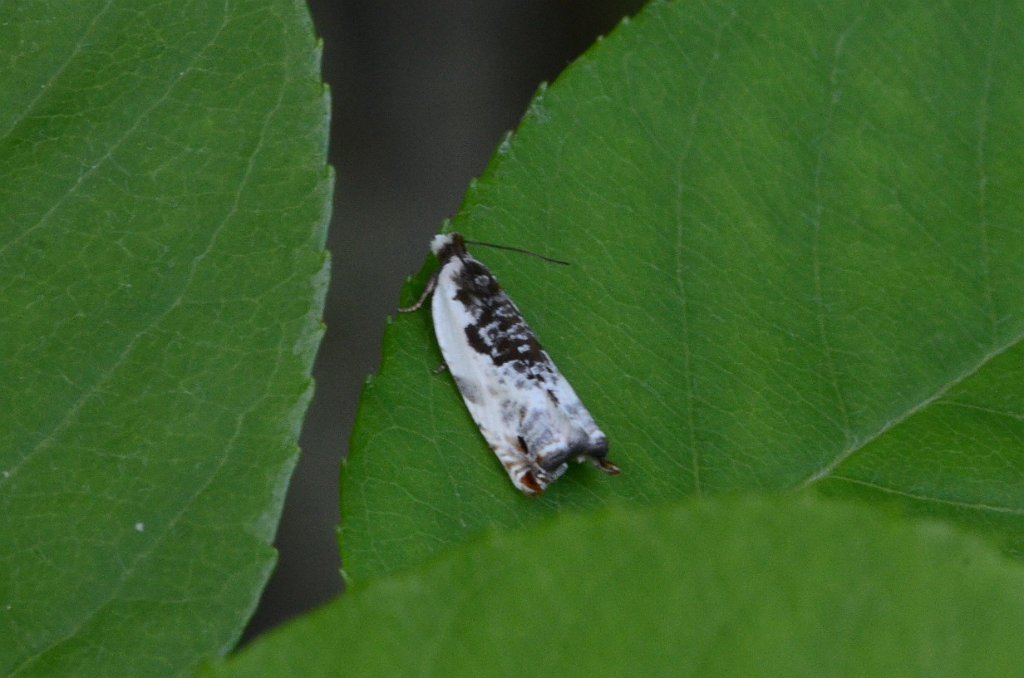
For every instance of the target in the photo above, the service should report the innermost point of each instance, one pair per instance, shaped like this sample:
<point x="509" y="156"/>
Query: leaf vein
<point x="935" y="500"/>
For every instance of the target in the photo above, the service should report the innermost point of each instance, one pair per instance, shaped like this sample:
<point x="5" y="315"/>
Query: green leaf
<point x="735" y="588"/>
<point x="797" y="262"/>
<point x="163" y="206"/>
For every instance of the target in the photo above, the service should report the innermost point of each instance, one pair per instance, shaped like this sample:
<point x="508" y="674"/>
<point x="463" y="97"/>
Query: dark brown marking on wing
<point x="498" y="330"/>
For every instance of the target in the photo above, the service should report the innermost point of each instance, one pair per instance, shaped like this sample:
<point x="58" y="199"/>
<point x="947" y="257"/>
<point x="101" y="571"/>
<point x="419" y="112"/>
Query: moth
<point x="524" y="407"/>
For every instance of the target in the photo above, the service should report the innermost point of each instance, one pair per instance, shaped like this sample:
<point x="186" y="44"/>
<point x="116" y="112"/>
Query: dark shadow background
<point x="422" y="94"/>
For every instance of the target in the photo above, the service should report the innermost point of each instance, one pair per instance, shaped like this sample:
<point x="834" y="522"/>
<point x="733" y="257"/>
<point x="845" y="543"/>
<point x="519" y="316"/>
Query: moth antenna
<point x="518" y="249"/>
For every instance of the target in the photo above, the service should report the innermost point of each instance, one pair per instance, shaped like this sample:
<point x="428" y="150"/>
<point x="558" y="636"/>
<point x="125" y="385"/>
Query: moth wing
<point x="560" y="428"/>
<point x="577" y="417"/>
<point x="488" y="393"/>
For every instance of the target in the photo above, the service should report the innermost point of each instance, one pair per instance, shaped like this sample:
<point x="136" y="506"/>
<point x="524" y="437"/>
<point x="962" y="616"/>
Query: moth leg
<point x="443" y="367"/>
<point x="605" y="465"/>
<point x="431" y="284"/>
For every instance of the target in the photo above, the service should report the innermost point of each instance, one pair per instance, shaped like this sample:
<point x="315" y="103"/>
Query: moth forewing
<point x="525" y="409"/>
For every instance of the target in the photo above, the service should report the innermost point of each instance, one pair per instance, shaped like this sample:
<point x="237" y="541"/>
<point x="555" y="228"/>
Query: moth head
<point x="447" y="245"/>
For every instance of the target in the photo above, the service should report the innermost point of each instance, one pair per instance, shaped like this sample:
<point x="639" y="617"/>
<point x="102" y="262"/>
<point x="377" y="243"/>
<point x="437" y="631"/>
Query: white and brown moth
<point x="524" y="407"/>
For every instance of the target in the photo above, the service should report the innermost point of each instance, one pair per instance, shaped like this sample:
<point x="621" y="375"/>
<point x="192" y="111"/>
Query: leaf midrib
<point x="827" y="470"/>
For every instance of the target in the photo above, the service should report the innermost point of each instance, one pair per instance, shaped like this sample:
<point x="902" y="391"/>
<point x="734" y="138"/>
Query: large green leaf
<point x="744" y="588"/>
<point x="163" y="203"/>
<point x="797" y="262"/>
